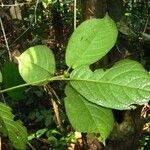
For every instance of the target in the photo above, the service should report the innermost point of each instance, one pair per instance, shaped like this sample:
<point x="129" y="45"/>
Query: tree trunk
<point x="93" y="8"/>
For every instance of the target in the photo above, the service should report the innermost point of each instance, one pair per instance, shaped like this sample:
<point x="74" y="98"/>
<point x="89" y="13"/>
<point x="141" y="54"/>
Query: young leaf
<point x="37" y="64"/>
<point x="11" y="77"/>
<point x="91" y="41"/>
<point x="123" y="86"/>
<point x="14" y="129"/>
<point x="86" y="116"/>
<point x="1" y="77"/>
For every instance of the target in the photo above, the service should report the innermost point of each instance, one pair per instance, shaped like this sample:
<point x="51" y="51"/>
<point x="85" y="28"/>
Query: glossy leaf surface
<point x="92" y="40"/>
<point x="37" y="64"/>
<point x="124" y="85"/>
<point x="86" y="116"/>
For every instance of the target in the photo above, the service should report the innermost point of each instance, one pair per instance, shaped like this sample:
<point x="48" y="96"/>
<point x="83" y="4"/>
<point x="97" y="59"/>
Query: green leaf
<point x="16" y="132"/>
<point x="123" y="86"/>
<point x="37" y="64"/>
<point x="38" y="134"/>
<point x="86" y="116"/>
<point x="46" y="3"/>
<point x="1" y="77"/>
<point x="146" y="37"/>
<point x="11" y="77"/>
<point x="92" y="40"/>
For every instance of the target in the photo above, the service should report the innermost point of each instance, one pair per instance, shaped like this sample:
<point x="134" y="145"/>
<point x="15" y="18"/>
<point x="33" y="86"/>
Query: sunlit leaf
<point x="46" y="3"/>
<point x="37" y="64"/>
<point x="86" y="116"/>
<point x="92" y="40"/>
<point x="123" y="86"/>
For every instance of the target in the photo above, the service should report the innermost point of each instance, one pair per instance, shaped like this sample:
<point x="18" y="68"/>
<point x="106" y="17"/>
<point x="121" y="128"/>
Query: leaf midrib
<point x="114" y="84"/>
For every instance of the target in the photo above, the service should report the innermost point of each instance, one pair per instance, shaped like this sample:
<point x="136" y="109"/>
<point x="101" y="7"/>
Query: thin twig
<point x="59" y="101"/>
<point x="3" y="98"/>
<point x="6" y="42"/>
<point x="56" y="109"/>
<point x="75" y="14"/>
<point x="20" y="36"/>
<point x="146" y="24"/>
<point x="19" y="4"/>
<point x="30" y="146"/>
<point x="0" y="143"/>
<point x="35" y="10"/>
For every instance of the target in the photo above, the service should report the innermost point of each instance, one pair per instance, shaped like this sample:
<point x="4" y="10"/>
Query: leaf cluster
<point x="90" y="95"/>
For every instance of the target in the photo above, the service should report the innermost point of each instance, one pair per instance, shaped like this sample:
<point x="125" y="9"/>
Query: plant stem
<point x="75" y="14"/>
<point x="6" y="42"/>
<point x="35" y="11"/>
<point x="14" y="87"/>
<point x="32" y="83"/>
<point x="146" y="24"/>
<point x="0" y="143"/>
<point x="20" y="36"/>
<point x="14" y="5"/>
<point x="59" y="101"/>
<point x="55" y="107"/>
<point x="30" y="146"/>
<point x="57" y="78"/>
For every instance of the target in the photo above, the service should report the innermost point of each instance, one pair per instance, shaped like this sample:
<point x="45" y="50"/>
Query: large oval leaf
<point x="86" y="116"/>
<point x="126" y="84"/>
<point x="37" y="64"/>
<point x="91" y="41"/>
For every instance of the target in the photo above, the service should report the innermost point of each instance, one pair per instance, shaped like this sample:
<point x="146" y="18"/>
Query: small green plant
<point x="90" y="95"/>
